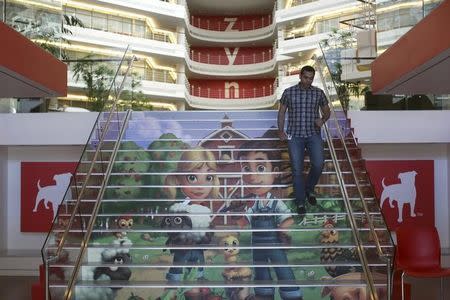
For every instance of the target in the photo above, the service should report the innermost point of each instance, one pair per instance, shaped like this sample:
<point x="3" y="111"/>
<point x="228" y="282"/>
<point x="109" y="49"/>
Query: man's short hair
<point x="307" y="69"/>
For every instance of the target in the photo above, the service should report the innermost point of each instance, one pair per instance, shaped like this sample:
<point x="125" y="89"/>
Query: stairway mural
<point x="198" y="205"/>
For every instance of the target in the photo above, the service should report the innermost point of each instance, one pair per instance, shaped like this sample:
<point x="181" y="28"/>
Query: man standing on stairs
<point x="303" y="101"/>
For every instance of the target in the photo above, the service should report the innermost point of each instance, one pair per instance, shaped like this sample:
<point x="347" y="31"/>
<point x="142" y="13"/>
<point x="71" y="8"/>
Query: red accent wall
<point x="22" y="56"/>
<point x="419" y="45"/>
<point x="219" y="56"/>
<point x="245" y="88"/>
<point x="222" y="23"/>
<point x="401" y="179"/>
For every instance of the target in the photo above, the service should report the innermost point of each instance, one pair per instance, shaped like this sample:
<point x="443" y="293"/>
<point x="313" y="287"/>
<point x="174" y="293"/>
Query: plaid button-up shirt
<point x="303" y="108"/>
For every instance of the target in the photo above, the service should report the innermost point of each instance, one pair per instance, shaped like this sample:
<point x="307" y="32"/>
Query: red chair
<point x="419" y="253"/>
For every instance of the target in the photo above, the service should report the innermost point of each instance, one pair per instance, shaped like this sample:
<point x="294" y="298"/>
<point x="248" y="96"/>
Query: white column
<point x="180" y="74"/>
<point x="3" y="196"/>
<point x="181" y="106"/>
<point x="181" y="38"/>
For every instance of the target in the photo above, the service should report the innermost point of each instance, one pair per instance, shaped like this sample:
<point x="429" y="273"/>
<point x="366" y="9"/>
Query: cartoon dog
<point x="52" y="193"/>
<point x="403" y="192"/>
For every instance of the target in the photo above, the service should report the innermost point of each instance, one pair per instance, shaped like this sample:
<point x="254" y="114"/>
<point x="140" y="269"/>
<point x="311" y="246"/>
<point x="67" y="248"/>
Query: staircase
<point x="132" y="208"/>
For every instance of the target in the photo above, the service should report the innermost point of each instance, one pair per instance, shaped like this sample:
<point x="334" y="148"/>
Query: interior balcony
<point x="155" y="48"/>
<point x="227" y="66"/>
<point x="292" y="47"/>
<point x="242" y="35"/>
<point x="172" y="10"/>
<point x="230" y="98"/>
<point x="304" y="11"/>
<point x="155" y="88"/>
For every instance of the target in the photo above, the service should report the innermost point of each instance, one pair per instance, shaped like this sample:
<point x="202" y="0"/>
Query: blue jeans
<point x="314" y="146"/>
<point x="274" y="256"/>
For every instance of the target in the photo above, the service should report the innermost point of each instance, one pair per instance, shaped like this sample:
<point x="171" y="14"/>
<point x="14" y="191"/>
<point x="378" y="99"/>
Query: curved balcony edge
<point x="231" y="70"/>
<point x="231" y="36"/>
<point x="233" y="104"/>
<point x="95" y="38"/>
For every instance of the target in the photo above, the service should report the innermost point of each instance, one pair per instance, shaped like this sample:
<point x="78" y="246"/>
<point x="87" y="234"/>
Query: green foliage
<point x="339" y="38"/>
<point x="134" y="98"/>
<point x="337" y="41"/>
<point x="97" y="78"/>
<point x="167" y="160"/>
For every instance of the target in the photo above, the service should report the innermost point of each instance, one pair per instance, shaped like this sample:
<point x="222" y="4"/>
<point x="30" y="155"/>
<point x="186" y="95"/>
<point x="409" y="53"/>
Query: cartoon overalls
<point x="192" y="256"/>
<point x="271" y="256"/>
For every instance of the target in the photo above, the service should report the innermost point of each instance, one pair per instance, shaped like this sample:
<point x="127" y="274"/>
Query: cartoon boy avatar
<point x="259" y="163"/>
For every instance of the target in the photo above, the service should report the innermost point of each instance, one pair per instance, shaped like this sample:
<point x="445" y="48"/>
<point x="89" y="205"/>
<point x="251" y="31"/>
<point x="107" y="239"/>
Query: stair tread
<point x="227" y="229"/>
<point x="182" y="150"/>
<point x="250" y="264"/>
<point x="229" y="185"/>
<point x="213" y="200"/>
<point x="96" y="245"/>
<point x="219" y="284"/>
<point x="217" y="173"/>
<point x="227" y="214"/>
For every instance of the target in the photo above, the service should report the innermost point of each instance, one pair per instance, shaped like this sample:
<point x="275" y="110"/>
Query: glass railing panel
<point x="69" y="227"/>
<point x="368" y="228"/>
<point x="39" y="21"/>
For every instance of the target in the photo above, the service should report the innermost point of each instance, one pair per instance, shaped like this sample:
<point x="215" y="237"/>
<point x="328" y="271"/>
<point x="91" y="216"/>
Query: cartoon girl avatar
<point x="196" y="179"/>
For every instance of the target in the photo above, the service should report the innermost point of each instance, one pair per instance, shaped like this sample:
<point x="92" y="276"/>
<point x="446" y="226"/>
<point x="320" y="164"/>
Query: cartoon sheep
<point x="180" y="225"/>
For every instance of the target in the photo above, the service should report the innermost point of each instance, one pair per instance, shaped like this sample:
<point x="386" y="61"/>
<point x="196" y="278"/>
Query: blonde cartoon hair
<point x="191" y="160"/>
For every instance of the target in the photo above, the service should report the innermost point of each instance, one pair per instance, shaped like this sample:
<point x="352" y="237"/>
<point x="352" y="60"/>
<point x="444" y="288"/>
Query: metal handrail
<point x="359" y="244"/>
<point x="101" y="140"/>
<point x="55" y="255"/>
<point x="380" y="251"/>
<point x="69" y="290"/>
<point x="360" y="193"/>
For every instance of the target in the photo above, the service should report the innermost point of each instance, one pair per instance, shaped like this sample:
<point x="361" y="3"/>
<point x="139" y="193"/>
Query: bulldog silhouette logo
<point x="403" y="193"/>
<point x="52" y="193"/>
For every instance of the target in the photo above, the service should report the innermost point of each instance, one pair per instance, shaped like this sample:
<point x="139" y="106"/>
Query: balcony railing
<point x="120" y="25"/>
<point x="245" y="59"/>
<point x="240" y="25"/>
<point x="231" y="93"/>
<point x="300" y="2"/>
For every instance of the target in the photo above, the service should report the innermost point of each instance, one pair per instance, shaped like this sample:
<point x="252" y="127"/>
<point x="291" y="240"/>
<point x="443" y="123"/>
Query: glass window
<point x="85" y="18"/>
<point x="327" y="25"/>
<point x="126" y="26"/>
<point x="138" y="28"/>
<point x="114" y="24"/>
<point x="70" y="11"/>
<point x="99" y="21"/>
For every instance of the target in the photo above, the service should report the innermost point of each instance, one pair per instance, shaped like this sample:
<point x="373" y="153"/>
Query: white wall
<point x="3" y="194"/>
<point x="414" y="126"/>
<point x="46" y="129"/>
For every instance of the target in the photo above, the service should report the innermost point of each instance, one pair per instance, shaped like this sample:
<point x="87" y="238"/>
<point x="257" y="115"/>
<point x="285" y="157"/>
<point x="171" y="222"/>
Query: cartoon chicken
<point x="334" y="254"/>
